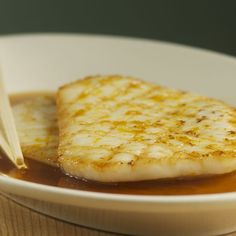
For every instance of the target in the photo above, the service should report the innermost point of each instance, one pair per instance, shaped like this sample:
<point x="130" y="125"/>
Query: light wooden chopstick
<point x="9" y="129"/>
<point x="6" y="148"/>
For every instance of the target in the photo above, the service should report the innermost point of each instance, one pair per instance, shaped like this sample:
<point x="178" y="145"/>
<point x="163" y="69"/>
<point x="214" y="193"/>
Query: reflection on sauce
<point x="43" y="174"/>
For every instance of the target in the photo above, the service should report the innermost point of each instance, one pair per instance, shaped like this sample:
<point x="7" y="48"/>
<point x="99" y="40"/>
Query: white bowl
<point x="43" y="62"/>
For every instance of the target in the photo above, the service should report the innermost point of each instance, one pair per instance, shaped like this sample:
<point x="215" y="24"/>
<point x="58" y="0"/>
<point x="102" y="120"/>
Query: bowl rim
<point x="60" y="191"/>
<point x="116" y="38"/>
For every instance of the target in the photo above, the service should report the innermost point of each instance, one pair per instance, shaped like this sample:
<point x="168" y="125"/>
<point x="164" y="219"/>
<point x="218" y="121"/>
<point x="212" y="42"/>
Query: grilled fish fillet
<point x="37" y="128"/>
<point x="114" y="129"/>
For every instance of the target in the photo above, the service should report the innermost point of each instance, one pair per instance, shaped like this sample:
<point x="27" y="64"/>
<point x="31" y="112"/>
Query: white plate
<point x="43" y="62"/>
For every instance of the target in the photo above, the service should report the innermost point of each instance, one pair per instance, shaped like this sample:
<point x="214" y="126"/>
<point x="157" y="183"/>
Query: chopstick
<point x="9" y="128"/>
<point x="6" y="149"/>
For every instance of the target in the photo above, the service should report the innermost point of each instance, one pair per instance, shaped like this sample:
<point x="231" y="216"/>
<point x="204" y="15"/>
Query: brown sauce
<point x="43" y="174"/>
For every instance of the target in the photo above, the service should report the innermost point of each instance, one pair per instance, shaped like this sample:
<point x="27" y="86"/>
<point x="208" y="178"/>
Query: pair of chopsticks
<point x="9" y="141"/>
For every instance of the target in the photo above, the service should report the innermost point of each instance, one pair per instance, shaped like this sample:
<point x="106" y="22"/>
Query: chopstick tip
<point x="21" y="164"/>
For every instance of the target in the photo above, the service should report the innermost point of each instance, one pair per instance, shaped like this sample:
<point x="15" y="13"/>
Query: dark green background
<point x="206" y="24"/>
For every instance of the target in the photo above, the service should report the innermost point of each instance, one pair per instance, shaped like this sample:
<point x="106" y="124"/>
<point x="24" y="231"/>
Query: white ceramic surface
<point x="43" y="62"/>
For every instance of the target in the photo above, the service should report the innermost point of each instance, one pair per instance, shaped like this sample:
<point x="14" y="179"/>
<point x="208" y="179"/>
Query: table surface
<point x="16" y="220"/>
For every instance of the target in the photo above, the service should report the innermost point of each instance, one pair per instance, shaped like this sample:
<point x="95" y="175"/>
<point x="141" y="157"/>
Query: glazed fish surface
<point x="37" y="128"/>
<point x="114" y="129"/>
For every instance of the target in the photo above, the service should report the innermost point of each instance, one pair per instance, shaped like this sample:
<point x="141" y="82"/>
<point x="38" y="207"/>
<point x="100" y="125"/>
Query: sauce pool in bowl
<point x="53" y="176"/>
